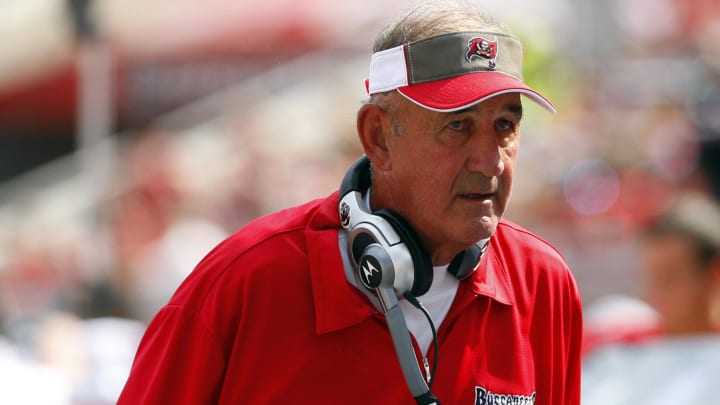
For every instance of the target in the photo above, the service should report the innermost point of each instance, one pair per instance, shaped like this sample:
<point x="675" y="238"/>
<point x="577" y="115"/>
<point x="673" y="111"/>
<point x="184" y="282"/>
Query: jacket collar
<point x="339" y="304"/>
<point x="491" y="278"/>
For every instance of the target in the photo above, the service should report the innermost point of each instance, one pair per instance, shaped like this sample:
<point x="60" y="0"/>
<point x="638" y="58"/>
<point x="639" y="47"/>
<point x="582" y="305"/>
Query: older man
<point x="404" y="287"/>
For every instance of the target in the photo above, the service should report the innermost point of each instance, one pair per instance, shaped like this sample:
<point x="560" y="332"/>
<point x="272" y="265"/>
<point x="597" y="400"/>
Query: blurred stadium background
<point x="135" y="135"/>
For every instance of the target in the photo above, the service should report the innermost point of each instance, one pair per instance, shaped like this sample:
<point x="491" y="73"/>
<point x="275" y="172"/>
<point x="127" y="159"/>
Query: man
<point x="312" y="305"/>
<point x="680" y="259"/>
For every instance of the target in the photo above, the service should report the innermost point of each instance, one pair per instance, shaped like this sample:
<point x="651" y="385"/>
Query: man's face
<point x="675" y="283"/>
<point x="450" y="174"/>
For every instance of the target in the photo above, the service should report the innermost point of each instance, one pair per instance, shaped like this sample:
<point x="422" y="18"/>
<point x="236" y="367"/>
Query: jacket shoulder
<point x="517" y="239"/>
<point x="265" y="245"/>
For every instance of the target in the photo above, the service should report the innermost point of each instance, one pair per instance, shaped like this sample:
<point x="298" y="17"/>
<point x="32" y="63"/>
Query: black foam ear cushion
<point x="464" y="263"/>
<point x="422" y="266"/>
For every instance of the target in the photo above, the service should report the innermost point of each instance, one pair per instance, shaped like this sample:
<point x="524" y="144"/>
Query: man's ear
<point x="714" y="282"/>
<point x="373" y="127"/>
<point x="714" y="273"/>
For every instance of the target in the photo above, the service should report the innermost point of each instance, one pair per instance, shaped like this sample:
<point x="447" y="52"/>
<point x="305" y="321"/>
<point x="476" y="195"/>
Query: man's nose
<point x="484" y="155"/>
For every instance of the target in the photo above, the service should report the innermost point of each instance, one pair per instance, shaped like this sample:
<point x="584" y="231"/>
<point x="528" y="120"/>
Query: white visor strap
<point x="388" y="70"/>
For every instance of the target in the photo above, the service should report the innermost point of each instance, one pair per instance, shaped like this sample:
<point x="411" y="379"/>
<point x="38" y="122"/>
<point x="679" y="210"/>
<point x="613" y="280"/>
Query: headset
<point x="389" y="259"/>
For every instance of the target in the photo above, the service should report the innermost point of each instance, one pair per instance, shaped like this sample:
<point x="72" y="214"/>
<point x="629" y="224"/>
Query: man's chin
<point x="481" y="229"/>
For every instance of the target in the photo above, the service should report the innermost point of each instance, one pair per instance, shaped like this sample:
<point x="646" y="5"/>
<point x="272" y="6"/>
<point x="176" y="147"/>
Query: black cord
<point x="417" y="304"/>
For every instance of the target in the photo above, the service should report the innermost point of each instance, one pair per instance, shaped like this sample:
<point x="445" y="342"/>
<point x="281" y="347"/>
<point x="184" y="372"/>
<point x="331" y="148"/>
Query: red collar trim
<point x="492" y="279"/>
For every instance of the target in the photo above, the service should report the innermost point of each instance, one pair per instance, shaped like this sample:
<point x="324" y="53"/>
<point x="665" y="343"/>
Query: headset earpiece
<point x="423" y="271"/>
<point x="466" y="262"/>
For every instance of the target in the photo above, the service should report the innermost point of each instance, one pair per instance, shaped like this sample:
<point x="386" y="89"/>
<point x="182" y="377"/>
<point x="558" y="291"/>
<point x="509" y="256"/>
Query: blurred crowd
<point x="637" y="84"/>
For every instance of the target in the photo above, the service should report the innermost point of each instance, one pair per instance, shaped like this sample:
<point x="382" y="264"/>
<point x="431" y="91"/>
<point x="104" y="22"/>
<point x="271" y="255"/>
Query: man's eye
<point x="504" y="125"/>
<point x="457" y="125"/>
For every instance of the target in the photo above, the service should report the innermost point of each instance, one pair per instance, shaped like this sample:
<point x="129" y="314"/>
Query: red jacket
<point x="268" y="317"/>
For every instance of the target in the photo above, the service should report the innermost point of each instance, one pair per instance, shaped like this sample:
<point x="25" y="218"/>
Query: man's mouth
<point x="477" y="196"/>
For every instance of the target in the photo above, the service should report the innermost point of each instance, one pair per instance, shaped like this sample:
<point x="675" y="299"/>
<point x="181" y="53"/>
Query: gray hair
<point x="436" y="17"/>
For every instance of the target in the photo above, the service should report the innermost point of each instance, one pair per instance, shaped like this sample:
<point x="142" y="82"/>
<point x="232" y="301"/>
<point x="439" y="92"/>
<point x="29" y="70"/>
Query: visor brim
<point x="459" y="92"/>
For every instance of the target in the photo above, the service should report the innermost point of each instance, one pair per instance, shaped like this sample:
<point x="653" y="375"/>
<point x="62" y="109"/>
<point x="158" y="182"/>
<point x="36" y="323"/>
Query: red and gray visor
<point x="453" y="71"/>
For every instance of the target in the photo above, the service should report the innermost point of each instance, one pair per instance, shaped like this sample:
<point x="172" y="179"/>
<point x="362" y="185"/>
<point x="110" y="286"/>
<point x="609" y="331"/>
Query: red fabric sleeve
<point x="177" y="363"/>
<point x="574" y="350"/>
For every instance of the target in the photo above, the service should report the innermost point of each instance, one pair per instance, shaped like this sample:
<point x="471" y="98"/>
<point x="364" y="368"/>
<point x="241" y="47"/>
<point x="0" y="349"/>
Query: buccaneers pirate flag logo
<point x="482" y="48"/>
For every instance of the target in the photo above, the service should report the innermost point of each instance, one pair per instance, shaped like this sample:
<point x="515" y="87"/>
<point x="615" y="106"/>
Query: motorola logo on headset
<point x="370" y="274"/>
